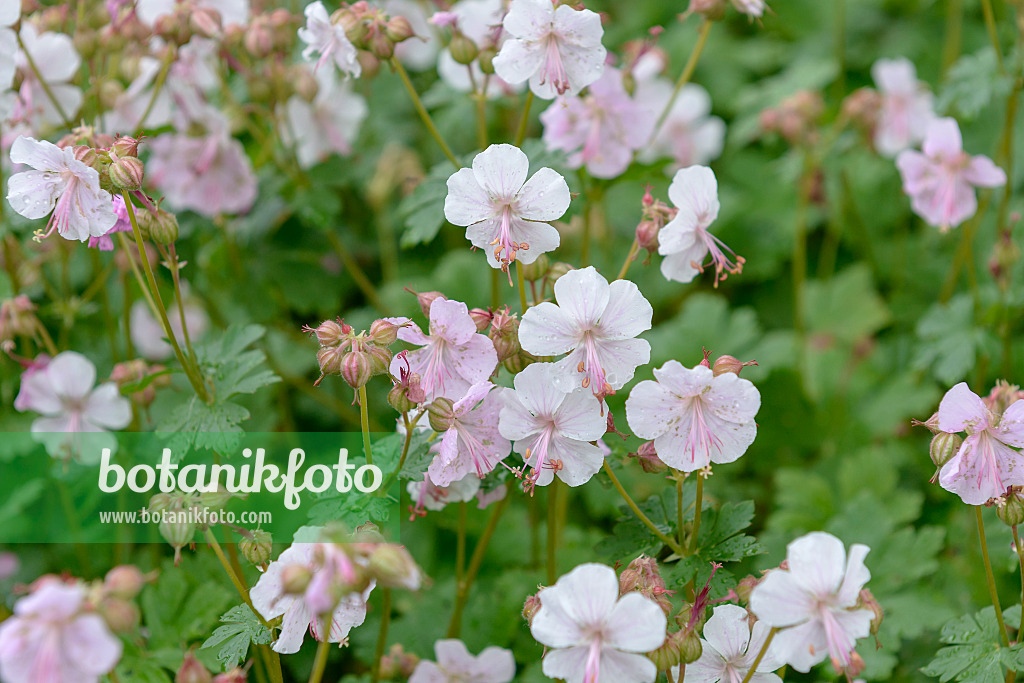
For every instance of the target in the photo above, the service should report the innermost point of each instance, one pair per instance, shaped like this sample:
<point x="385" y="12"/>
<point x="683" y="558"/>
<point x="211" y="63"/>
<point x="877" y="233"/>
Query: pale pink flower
<point x="730" y="647"/>
<point x="906" y="107"/>
<point x="986" y="463"/>
<point x="594" y="635"/>
<point x="130" y="105"/>
<point x="689" y="134"/>
<point x="752" y="8"/>
<point x="57" y="62"/>
<point x="599" y="130"/>
<point x="472" y="443"/>
<point x="558" y="51"/>
<point x="456" y="665"/>
<point x="63" y="392"/>
<point x="504" y="213"/>
<point x="329" y="124"/>
<point x="430" y="496"/>
<point x="230" y="11"/>
<point x="814" y="601"/>
<point x="485" y="498"/>
<point x="552" y="429"/>
<point x="597" y="324"/>
<point x="686" y="241"/>
<point x="123" y="224"/>
<point x="62" y="185"/>
<point x="148" y="336"/>
<point x="306" y="612"/>
<point x="210" y="175"/>
<point x="327" y="41"/>
<point x="693" y="417"/>
<point x="52" y="638"/>
<point x="452" y="357"/>
<point x="10" y="12"/>
<point x="480" y="21"/>
<point x="941" y="181"/>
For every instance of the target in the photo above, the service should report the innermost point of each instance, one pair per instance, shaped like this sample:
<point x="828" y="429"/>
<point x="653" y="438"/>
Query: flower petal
<point x="544" y="197"/>
<point x="636" y="624"/>
<point x="962" y="410"/>
<point x="501" y="171"/>
<point x="583" y="295"/>
<point x="547" y="330"/>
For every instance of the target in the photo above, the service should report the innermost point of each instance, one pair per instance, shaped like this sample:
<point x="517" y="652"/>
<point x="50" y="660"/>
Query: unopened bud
<point x="330" y="333"/>
<point x="463" y="50"/>
<point x="425" y="299"/>
<point x="383" y="332"/>
<point x="192" y="671"/>
<point x="393" y="567"/>
<point x="441" y="413"/>
<point x="124" y="581"/>
<point x="559" y="269"/>
<point x="381" y="46"/>
<point x="204" y="22"/>
<point x="159" y="228"/>
<point x="236" y="675"/>
<point x="177" y="530"/>
<point x="943" y="447"/>
<point x="1010" y="507"/>
<point x="531" y="607"/>
<point x="536" y="271"/>
<point x="126" y="173"/>
<point x="726" y="364"/>
<point x="745" y="587"/>
<point x="380" y="358"/>
<point x="481" y="318"/>
<point x="399" y="29"/>
<point x="121" y="616"/>
<point x="295" y="579"/>
<point x="670" y="653"/>
<point x="256" y="549"/>
<point x="647" y="455"/>
<point x="647" y="235"/>
<point x="398" y="398"/>
<point x="87" y="155"/>
<point x="505" y="334"/>
<point x="329" y="358"/>
<point x="125" y="147"/>
<point x="357" y="368"/>
<point x="486" y="59"/>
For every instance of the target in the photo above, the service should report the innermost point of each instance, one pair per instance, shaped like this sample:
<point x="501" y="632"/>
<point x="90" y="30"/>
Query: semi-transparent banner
<point x="142" y="487"/>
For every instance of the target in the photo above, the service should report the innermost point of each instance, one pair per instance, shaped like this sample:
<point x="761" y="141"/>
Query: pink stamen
<point x="591" y="364"/>
<point x="592" y="672"/>
<point x="553" y="70"/>
<point x="700" y="438"/>
<point x="724" y="265"/>
<point x="504" y="244"/>
<point x="840" y="644"/>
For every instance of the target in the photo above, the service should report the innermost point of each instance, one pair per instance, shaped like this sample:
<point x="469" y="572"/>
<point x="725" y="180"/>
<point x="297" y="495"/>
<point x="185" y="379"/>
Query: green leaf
<point x="422" y="210"/>
<point x="975" y="653"/>
<point x="231" y="641"/>
<point x="231" y="365"/>
<point x="950" y="342"/>
<point x="972" y="83"/>
<point x="847" y="307"/>
<point x="198" y="425"/>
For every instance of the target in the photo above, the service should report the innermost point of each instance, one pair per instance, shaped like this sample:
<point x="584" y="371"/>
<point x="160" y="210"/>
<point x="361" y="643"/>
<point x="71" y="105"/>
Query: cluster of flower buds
<point x="462" y="48"/>
<point x="18" y="318"/>
<point x="114" y="597"/>
<point x="398" y="663"/>
<point x="139" y="380"/>
<point x="270" y="33"/>
<point x="642" y="576"/>
<point x="653" y="217"/>
<point x="256" y="547"/>
<point x="355" y="357"/>
<point x="183" y="514"/>
<point x="371" y="29"/>
<point x="189" y="19"/>
<point x="861" y="107"/>
<point x="796" y="119"/>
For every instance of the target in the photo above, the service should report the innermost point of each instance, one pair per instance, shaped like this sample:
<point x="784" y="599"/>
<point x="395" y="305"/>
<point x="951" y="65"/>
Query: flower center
<point x="505" y="247"/>
<point x="700" y="439"/>
<point x="553" y="70"/>
<point x="721" y="257"/>
<point x="591" y="364"/>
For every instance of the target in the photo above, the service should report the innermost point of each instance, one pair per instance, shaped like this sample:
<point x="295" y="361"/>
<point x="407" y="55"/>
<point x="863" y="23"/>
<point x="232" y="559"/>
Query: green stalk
<point x="990" y="577"/>
<point x="684" y="78"/>
<point x="667" y="540"/>
<point x="524" y="118"/>
<point x="320" y="660"/>
<point x="462" y="594"/>
<point x="382" y="635"/>
<point x="760" y="655"/>
<point x="696" y="514"/>
<point x="422" y="111"/>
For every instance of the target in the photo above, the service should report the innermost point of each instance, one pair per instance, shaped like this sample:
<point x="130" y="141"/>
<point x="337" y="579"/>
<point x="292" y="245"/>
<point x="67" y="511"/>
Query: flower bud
<point x="515" y="364"/>
<point x="381" y="46"/>
<point x="256" y="549"/>
<point x="441" y="414"/>
<point x="690" y="648"/>
<point x="380" y="358"/>
<point x="162" y="501"/>
<point x="943" y="447"/>
<point x="393" y="567"/>
<point x="536" y="271"/>
<point x="399" y="29"/>
<point x="642" y="576"/>
<point x="398" y="398"/>
<point x="259" y="38"/>
<point x="669" y="654"/>
<point x="177" y="529"/>
<point x="505" y="334"/>
<point x="486" y="59"/>
<point x="329" y="358"/>
<point x="425" y="299"/>
<point x="1010" y="507"/>
<point x="357" y="368"/>
<point x="726" y="364"/>
<point x="647" y="455"/>
<point x="712" y="10"/>
<point x="647" y="235"/>
<point x="204" y="21"/>
<point x="121" y="616"/>
<point x="87" y="155"/>
<point x="160" y="228"/>
<point x="745" y="587"/>
<point x="383" y="332"/>
<point x="125" y="147"/>
<point x="463" y="50"/>
<point x="192" y="671"/>
<point x="304" y="83"/>
<point x="216" y="500"/>
<point x="331" y="333"/>
<point x="531" y="607"/>
<point x="481" y="318"/>
<point x="236" y="675"/>
<point x="557" y="270"/>
<point x="295" y="579"/>
<point x="124" y="581"/>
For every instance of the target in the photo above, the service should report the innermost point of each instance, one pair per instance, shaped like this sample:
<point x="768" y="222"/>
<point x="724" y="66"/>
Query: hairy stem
<point x="455" y="625"/>
<point x="382" y="635"/>
<point x="422" y="111"/>
<point x="990" y="577"/>
<point x="684" y="78"/>
<point x="667" y="540"/>
<point x="364" y="423"/>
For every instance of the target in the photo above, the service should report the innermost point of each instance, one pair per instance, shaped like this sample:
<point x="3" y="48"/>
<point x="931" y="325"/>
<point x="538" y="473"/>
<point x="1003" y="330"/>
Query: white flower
<point x="595" y="635"/>
<point x="906" y="108"/>
<point x="752" y="8"/>
<point x="230" y="11"/>
<point x="148" y="336"/>
<point x="456" y="665"/>
<point x="553" y="429"/>
<point x="330" y="123"/>
<point x="694" y="417"/>
<point x="60" y="184"/>
<point x="472" y="443"/>
<point x="597" y="323"/>
<point x="504" y="213"/>
<point x="730" y="646"/>
<point x="814" y="600"/>
<point x="689" y="135"/>
<point x="558" y="50"/>
<point x="685" y="241"/>
<point x="429" y="496"/>
<point x="57" y="62"/>
<point x="328" y="41"/>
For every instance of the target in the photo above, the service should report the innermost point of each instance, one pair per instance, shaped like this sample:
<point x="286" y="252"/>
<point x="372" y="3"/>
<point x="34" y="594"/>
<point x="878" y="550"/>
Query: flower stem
<point x="522" y="288"/>
<point x="1020" y="557"/>
<point x="993" y="35"/>
<point x="954" y="32"/>
<point x="460" y="547"/>
<point x="553" y="531"/>
<point x="322" y="650"/>
<point x="684" y="78"/>
<point x="192" y="372"/>
<point x="382" y="635"/>
<point x="524" y="118"/>
<point x="157" y="87"/>
<point x="364" y="422"/>
<point x="363" y="282"/>
<point x="422" y="111"/>
<point x="43" y="84"/>
<point x="760" y="655"/>
<point x="990" y="577"/>
<point x="462" y="593"/>
<point x="697" y="505"/>
<point x="667" y="540"/>
<point x="405" y="450"/>
<point x="630" y="257"/>
<point x="175" y="270"/>
<point x="481" y="120"/>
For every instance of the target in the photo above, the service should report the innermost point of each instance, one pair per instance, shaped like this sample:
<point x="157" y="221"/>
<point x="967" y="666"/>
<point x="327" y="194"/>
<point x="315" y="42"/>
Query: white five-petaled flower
<point x="456" y="665"/>
<point x="730" y="647"/>
<point x="452" y="357"/>
<point x="906" y="107"/>
<point x="57" y="62"/>
<point x="305" y="612"/>
<point x="326" y="40"/>
<point x="430" y="496"/>
<point x="814" y="601"/>
<point x="558" y="50"/>
<point x="694" y="417"/>
<point x="552" y="429"/>
<point x="685" y="241"/>
<point x="689" y="134"/>
<point x="504" y="213"/>
<point x="596" y="636"/>
<point x="60" y="184"/>
<point x="597" y="323"/>
<point x="328" y="124"/>
<point x="986" y="463"/>
<point x="472" y="443"/>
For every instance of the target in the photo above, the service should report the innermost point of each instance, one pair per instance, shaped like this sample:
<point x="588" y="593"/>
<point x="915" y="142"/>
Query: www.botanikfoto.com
<point x="195" y="515"/>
